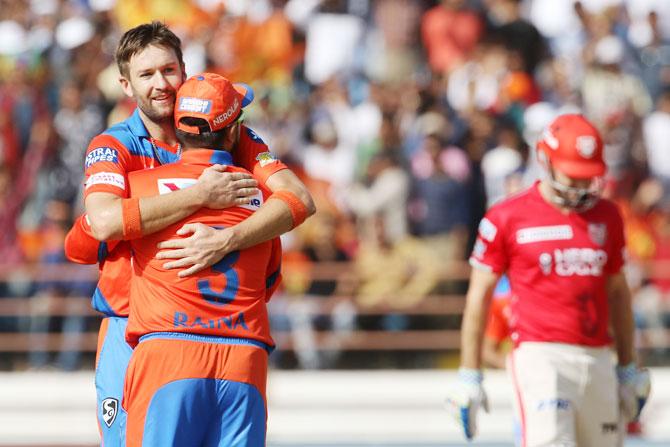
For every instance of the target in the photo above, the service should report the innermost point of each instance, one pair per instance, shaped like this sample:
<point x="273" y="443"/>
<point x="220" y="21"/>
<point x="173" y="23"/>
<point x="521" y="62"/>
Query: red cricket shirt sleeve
<point x="490" y="252"/>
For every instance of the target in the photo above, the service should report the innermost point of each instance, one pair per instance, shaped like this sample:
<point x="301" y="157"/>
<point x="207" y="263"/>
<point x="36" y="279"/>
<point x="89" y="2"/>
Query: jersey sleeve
<point x="616" y="257"/>
<point x="105" y="166"/>
<point x="255" y="156"/>
<point x="273" y="277"/>
<point x="489" y="252"/>
<point x="81" y="247"/>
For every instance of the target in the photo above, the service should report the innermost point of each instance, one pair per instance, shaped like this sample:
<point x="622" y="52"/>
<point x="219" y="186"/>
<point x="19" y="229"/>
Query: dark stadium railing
<point x="355" y="340"/>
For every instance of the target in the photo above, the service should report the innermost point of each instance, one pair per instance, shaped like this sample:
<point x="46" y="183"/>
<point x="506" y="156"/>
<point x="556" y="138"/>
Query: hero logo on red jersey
<point x="101" y="154"/>
<point x="574" y="261"/>
<point x="168" y="185"/>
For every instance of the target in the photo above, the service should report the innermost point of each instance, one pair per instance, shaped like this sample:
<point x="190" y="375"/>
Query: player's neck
<point x="161" y="131"/>
<point x="547" y="193"/>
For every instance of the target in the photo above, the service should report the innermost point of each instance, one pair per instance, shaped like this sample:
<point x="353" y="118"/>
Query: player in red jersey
<point x="151" y="67"/>
<point x="562" y="247"/>
<point x="197" y="375"/>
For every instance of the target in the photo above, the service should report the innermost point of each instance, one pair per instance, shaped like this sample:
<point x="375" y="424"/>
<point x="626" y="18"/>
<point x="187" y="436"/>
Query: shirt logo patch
<point x="597" y="233"/>
<point x="102" y="154"/>
<point x="197" y="105"/>
<point x="255" y="203"/>
<point x="168" y="185"/>
<point x="265" y="158"/>
<point x="548" y="233"/>
<point x="487" y="230"/>
<point x="109" y="408"/>
<point x="106" y="178"/>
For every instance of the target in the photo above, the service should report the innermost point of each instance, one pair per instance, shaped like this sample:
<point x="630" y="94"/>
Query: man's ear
<point x="125" y="86"/>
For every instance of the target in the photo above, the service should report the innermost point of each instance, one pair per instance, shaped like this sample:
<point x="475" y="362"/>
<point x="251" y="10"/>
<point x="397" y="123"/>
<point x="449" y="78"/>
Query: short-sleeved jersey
<point x="123" y="148"/>
<point x="128" y="147"/>
<point x="557" y="264"/>
<point x="226" y="300"/>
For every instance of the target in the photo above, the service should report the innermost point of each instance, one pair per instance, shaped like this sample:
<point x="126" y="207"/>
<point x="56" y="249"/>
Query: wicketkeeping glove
<point x="634" y="389"/>
<point x="464" y="402"/>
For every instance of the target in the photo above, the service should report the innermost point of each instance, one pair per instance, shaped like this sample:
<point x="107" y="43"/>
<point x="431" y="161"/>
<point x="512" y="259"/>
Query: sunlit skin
<point x="153" y="78"/>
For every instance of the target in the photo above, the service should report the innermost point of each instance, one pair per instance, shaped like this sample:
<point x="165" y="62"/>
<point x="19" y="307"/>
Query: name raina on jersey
<point x="184" y="320"/>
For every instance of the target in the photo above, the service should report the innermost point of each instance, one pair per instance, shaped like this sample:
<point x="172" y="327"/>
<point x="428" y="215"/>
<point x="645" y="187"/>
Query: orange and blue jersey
<point x="226" y="300"/>
<point x="121" y="149"/>
<point x="198" y="373"/>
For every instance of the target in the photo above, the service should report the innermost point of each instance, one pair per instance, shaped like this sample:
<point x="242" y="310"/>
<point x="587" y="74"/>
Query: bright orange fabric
<point x="157" y="362"/>
<point x="227" y="299"/>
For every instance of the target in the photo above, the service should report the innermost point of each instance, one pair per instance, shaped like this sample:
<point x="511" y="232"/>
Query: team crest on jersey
<point x="109" y="408"/>
<point x="598" y="233"/>
<point x="168" y="185"/>
<point x="265" y="158"/>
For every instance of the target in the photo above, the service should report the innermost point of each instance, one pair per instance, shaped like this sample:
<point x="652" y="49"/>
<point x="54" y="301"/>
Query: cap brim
<point x="580" y="170"/>
<point x="246" y="91"/>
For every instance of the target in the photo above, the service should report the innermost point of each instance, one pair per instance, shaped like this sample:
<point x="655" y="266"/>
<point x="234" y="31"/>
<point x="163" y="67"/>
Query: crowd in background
<point x="406" y="118"/>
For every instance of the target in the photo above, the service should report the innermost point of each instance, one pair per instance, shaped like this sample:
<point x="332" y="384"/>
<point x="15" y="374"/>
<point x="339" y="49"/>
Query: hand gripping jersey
<point x="557" y="265"/>
<point x="226" y="300"/>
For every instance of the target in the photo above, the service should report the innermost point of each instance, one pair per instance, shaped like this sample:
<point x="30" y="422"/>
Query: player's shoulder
<point x="512" y="204"/>
<point x="122" y="136"/>
<point x="607" y="208"/>
<point x="250" y="141"/>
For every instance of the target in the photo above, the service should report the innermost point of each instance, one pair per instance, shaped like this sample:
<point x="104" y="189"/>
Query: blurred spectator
<point x="450" y="32"/>
<point x="441" y="176"/>
<point x="656" y="131"/>
<point x="371" y="101"/>
<point x="383" y="197"/>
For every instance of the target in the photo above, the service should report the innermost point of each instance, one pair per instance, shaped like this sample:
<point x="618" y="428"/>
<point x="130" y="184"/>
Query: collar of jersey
<point x="136" y="125"/>
<point x="207" y="156"/>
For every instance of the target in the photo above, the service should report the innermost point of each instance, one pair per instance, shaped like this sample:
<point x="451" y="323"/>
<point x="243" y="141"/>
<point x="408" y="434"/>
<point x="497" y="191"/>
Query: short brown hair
<point x="137" y="39"/>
